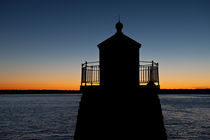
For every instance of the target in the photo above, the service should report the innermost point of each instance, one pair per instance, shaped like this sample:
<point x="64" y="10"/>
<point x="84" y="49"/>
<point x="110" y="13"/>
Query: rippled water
<point x="53" y="116"/>
<point x="49" y="116"/>
<point x="186" y="116"/>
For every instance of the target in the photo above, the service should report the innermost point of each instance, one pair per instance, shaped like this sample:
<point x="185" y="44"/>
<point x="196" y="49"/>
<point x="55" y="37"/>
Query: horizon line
<point x="79" y="89"/>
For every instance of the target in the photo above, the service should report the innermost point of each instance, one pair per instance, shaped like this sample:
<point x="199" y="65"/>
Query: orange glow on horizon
<point x="49" y="81"/>
<point x="49" y="86"/>
<point x="184" y="83"/>
<point x="76" y="86"/>
<point x="64" y="81"/>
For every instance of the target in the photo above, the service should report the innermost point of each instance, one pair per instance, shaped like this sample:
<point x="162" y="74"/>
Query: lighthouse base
<point x="110" y="114"/>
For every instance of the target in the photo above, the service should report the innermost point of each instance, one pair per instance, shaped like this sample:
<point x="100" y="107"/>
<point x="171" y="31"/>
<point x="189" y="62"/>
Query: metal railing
<point x="148" y="71"/>
<point x="90" y="74"/>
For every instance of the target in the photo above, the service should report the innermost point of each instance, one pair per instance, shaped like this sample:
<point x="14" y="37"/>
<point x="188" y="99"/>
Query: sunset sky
<point x="44" y="42"/>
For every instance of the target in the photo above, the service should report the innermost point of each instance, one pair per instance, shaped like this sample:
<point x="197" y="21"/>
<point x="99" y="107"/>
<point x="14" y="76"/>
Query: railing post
<point x="144" y="73"/>
<point x="158" y="74"/>
<point x="91" y="75"/>
<point x="85" y="72"/>
<point x="140" y="74"/>
<point x="81" y="74"/>
<point x="151" y="72"/>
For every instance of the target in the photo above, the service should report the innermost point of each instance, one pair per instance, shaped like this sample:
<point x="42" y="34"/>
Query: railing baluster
<point x="85" y="73"/>
<point x="91" y="71"/>
<point x="158" y="74"/>
<point x="140" y="78"/>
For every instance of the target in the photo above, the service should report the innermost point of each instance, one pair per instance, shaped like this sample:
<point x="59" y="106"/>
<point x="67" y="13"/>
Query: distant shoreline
<point x="184" y="91"/>
<point x="40" y="91"/>
<point x="162" y="91"/>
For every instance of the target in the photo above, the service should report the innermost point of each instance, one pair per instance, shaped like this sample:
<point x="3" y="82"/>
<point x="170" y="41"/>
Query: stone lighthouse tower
<point x="119" y="98"/>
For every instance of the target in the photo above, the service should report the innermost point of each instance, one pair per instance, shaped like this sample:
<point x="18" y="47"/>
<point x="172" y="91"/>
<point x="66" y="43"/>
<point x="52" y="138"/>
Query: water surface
<point x="48" y="116"/>
<point x="186" y="116"/>
<point x="53" y="116"/>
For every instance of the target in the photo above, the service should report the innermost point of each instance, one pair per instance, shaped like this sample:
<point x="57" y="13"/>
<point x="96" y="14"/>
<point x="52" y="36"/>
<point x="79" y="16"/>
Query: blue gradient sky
<point x="44" y="42"/>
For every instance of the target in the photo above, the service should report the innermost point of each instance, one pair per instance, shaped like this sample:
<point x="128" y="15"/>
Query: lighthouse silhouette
<point x="119" y="98"/>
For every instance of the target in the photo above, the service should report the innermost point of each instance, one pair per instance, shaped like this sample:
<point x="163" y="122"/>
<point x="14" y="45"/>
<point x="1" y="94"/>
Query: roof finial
<point x="119" y="25"/>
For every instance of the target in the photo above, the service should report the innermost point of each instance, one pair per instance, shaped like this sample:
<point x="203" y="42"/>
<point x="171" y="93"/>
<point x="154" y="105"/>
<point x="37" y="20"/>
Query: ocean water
<point x="53" y="116"/>
<point x="186" y="116"/>
<point x="47" y="116"/>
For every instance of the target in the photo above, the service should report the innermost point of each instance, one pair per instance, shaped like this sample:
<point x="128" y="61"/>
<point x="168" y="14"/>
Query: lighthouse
<point x="119" y="65"/>
<point x="119" y="94"/>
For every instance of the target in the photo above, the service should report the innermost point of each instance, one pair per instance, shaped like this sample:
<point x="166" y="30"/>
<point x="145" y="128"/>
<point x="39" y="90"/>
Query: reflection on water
<point x="186" y="116"/>
<point x="53" y="116"/>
